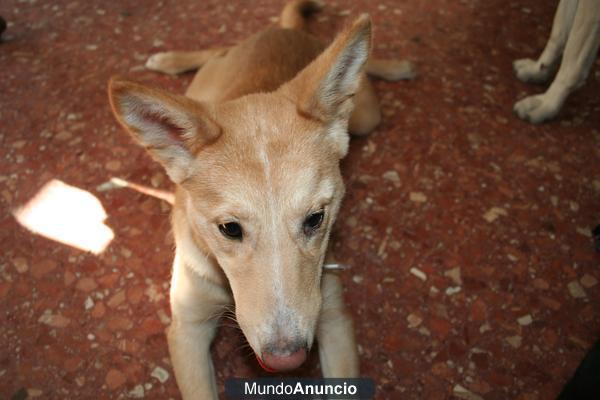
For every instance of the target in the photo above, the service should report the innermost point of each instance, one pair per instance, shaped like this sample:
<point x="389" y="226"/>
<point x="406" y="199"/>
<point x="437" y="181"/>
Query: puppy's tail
<point x="296" y="13"/>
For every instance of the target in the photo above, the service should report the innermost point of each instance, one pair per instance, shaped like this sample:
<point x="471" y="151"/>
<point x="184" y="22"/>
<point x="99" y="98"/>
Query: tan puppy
<point x="254" y="149"/>
<point x="575" y="39"/>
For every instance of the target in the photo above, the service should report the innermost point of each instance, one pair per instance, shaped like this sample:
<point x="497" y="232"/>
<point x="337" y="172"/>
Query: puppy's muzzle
<point x="283" y="355"/>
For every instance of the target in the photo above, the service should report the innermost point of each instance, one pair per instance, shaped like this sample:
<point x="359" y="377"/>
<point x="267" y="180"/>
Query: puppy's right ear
<point x="172" y="128"/>
<point x="324" y="89"/>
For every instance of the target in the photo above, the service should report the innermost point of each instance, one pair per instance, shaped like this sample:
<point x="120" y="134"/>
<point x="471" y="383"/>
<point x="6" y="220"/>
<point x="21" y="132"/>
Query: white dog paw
<point x="401" y="70"/>
<point x="395" y="70"/>
<point x="536" y="109"/>
<point x="531" y="71"/>
<point x="163" y="62"/>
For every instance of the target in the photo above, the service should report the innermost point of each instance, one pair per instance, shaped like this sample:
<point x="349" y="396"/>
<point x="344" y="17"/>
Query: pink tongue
<point x="262" y="364"/>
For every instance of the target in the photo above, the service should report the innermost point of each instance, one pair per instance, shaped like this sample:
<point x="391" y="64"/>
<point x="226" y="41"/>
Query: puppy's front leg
<point x="196" y="305"/>
<point x="189" y="346"/>
<point x="337" y="345"/>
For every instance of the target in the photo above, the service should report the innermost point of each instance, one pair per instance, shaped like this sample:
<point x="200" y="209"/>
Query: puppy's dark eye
<point x="231" y="230"/>
<point x="312" y="223"/>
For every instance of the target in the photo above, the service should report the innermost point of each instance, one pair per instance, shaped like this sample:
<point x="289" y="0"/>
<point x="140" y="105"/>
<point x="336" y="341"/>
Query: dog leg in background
<point x="578" y="58"/>
<point x="366" y="114"/>
<point x="176" y="62"/>
<point x="391" y="70"/>
<point x="338" y="352"/>
<point x="542" y="69"/>
<point x="196" y="305"/>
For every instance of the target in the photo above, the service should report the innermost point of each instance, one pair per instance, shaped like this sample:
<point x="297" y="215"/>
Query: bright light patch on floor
<point x="68" y="215"/>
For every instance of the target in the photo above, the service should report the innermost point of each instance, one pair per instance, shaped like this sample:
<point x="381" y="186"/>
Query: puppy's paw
<point x="165" y="62"/>
<point x="536" y="109"/>
<point x="393" y="70"/>
<point x="531" y="71"/>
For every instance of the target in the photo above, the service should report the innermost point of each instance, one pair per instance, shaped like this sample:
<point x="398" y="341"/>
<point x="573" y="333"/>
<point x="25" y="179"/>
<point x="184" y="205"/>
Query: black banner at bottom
<point x="299" y="388"/>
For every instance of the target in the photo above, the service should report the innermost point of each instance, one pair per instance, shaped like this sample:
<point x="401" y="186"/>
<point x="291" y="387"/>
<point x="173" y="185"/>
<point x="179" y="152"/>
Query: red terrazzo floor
<point x="508" y="305"/>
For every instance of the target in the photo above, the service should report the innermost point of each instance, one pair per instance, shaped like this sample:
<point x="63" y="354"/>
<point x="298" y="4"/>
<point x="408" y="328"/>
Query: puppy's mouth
<point x="263" y="365"/>
<point x="281" y="362"/>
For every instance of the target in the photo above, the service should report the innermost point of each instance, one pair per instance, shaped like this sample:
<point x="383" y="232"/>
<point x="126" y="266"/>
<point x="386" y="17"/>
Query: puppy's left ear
<point x="324" y="89"/>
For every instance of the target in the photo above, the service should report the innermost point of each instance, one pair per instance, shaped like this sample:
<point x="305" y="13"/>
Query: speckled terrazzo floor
<point x="468" y="231"/>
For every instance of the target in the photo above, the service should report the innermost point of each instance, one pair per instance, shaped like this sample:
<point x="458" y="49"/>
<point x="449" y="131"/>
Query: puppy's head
<point x="260" y="185"/>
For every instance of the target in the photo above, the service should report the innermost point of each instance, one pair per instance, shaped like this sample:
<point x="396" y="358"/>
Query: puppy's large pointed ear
<point x="172" y="128"/>
<point x="324" y="89"/>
